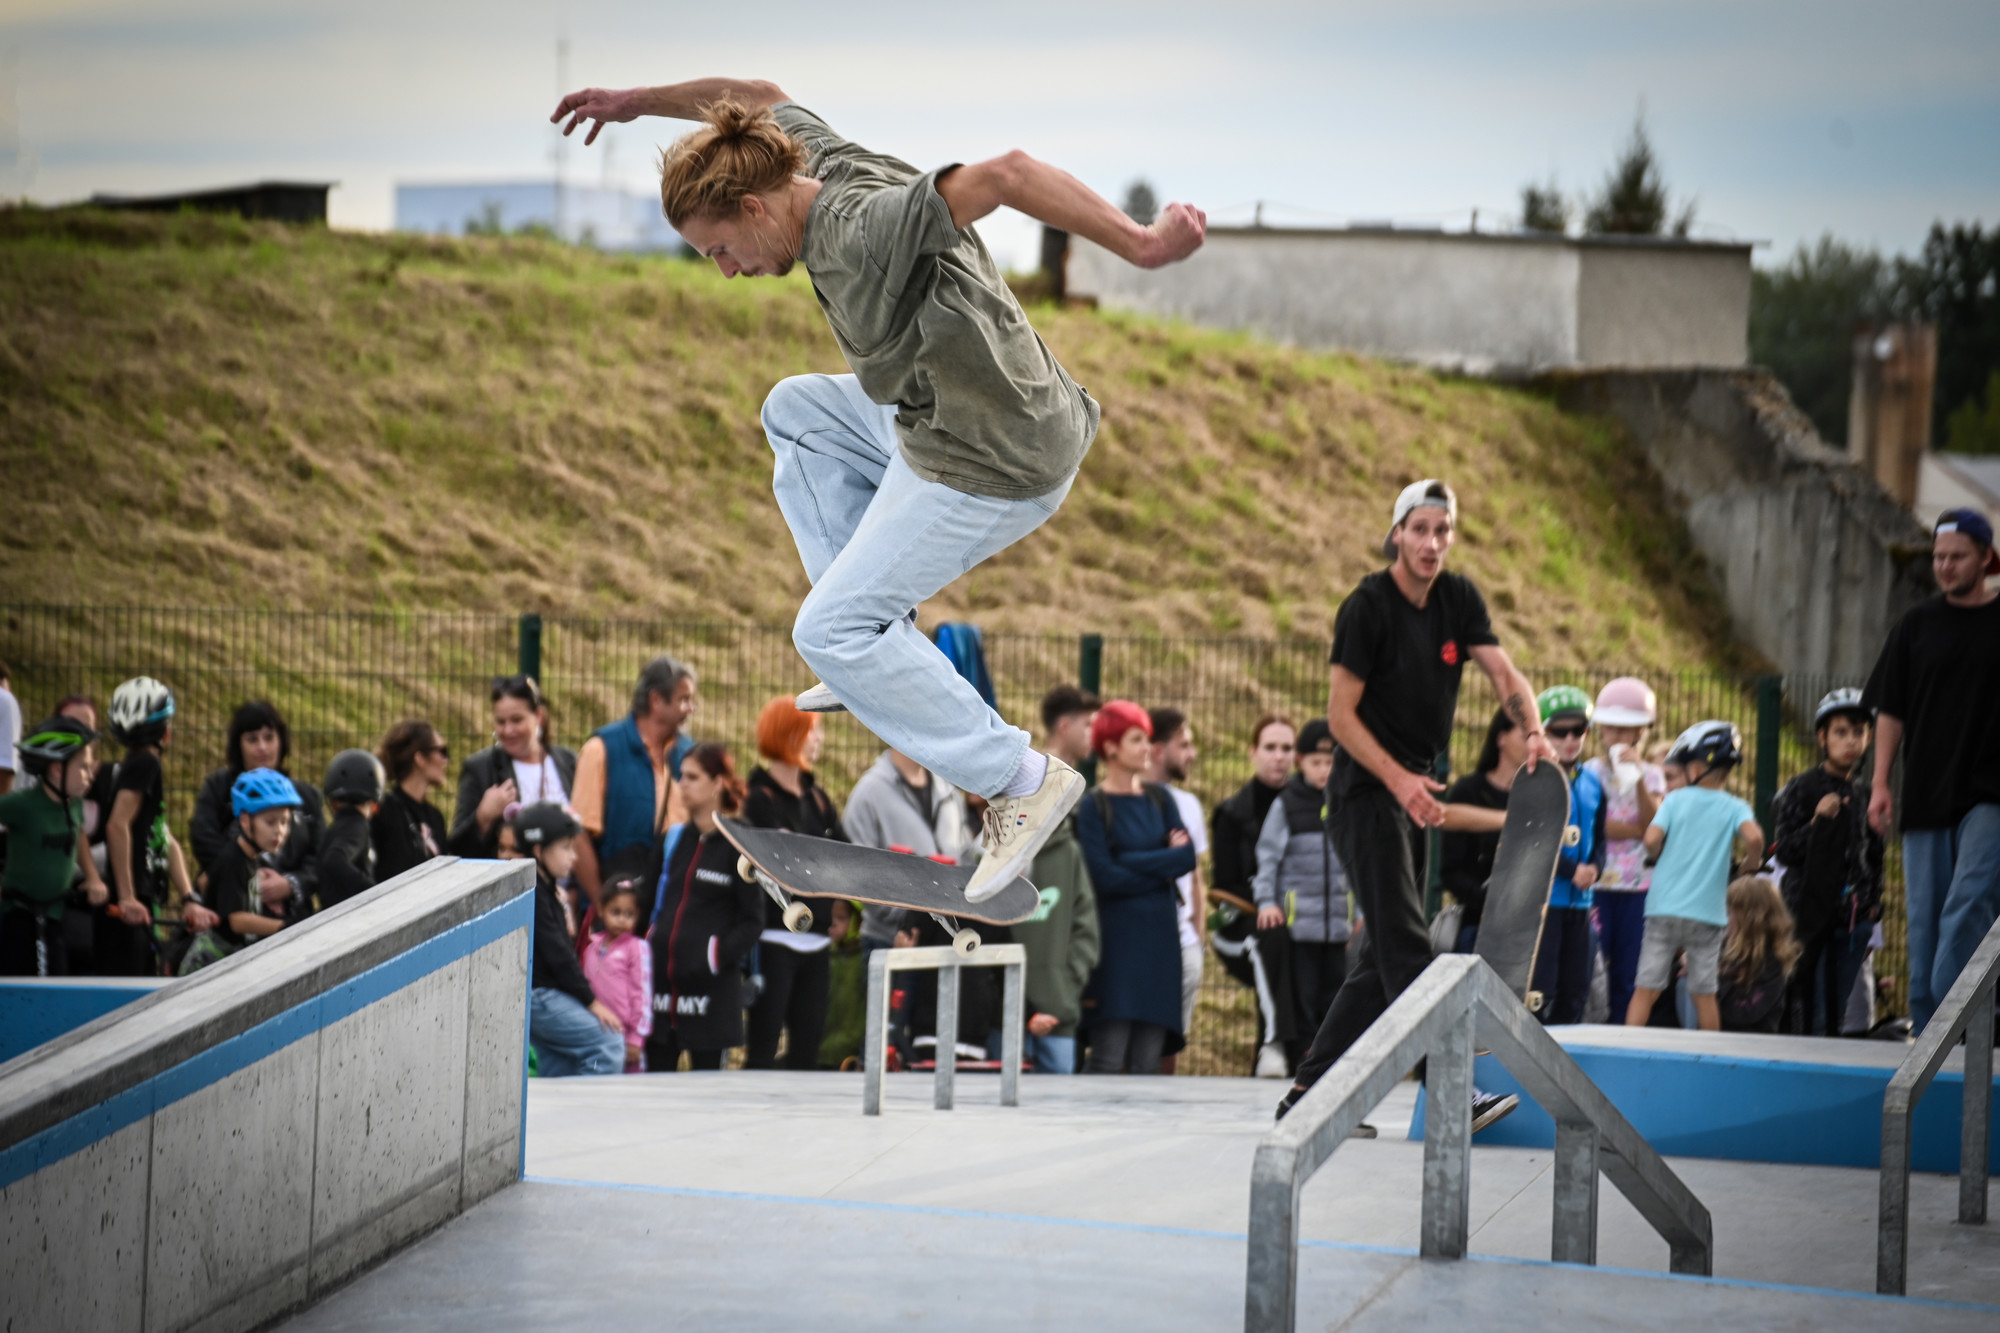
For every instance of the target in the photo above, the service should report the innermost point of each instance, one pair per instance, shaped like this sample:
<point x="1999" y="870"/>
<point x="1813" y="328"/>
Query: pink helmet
<point x="1626" y="702"/>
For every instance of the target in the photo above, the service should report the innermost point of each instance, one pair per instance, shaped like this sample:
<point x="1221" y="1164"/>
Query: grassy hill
<point x="199" y="411"/>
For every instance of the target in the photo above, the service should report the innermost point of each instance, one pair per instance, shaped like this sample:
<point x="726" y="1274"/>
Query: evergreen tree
<point x="1543" y="208"/>
<point x="1633" y="199"/>
<point x="1141" y="205"/>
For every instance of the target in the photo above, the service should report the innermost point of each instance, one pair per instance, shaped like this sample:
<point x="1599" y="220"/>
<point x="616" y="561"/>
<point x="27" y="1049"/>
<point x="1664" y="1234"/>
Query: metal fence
<point x="342" y="678"/>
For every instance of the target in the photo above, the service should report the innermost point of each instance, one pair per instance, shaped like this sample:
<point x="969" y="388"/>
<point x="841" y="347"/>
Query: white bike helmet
<point x="140" y="711"/>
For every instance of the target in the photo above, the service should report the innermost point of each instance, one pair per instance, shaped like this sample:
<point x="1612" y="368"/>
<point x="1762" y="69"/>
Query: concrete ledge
<point x="234" y="1143"/>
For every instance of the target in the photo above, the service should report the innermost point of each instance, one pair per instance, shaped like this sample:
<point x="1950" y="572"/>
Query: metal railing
<point x="949" y="964"/>
<point x="1967" y="1009"/>
<point x="1456" y="1006"/>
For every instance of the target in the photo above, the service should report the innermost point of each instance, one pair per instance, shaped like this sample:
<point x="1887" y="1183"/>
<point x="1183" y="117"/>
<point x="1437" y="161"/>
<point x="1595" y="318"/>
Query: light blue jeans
<point x="876" y="540"/>
<point x="1951" y="890"/>
<point x="568" y="1039"/>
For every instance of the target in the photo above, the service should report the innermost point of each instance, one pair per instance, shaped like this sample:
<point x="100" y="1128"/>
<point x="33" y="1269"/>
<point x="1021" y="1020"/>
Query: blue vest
<point x="629" y="794"/>
<point x="1586" y="810"/>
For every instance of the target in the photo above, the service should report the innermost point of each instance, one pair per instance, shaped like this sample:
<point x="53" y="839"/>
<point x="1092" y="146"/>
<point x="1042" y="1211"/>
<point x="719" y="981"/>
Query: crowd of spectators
<point x="1672" y="906"/>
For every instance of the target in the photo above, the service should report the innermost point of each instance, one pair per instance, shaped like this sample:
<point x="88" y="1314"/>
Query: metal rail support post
<point x="948" y="964"/>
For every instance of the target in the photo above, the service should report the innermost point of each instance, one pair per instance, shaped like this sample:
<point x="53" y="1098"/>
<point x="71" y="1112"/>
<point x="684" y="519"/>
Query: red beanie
<point x="1113" y="720"/>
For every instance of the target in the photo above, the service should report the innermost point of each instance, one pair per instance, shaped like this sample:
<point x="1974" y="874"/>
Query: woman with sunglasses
<point x="520" y="767"/>
<point x="407" y="828"/>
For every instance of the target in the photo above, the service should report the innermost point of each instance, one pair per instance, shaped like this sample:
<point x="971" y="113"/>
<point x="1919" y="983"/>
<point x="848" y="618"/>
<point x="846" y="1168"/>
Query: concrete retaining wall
<point x="236" y="1143"/>
<point x="1815" y="559"/>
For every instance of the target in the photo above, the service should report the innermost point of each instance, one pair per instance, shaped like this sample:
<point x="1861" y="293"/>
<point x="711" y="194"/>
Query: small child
<point x="148" y="869"/>
<point x="1626" y="708"/>
<point x="1757" y="957"/>
<point x="1833" y="867"/>
<point x="250" y="899"/>
<point x="353" y="788"/>
<point x="45" y="848"/>
<point x="1672" y="776"/>
<point x="570" y="1029"/>
<point x="1693" y="838"/>
<point x="1563" y="964"/>
<point x="619" y="965"/>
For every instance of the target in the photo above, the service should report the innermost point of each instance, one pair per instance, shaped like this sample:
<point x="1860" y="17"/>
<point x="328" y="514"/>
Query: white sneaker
<point x="819" y="699"/>
<point x="1271" y="1061"/>
<point x="1017" y="826"/>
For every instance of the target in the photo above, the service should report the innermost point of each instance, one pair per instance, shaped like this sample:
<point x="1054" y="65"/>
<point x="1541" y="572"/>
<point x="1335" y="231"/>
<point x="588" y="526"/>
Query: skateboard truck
<point x="964" y="939"/>
<point x="798" y="915"/>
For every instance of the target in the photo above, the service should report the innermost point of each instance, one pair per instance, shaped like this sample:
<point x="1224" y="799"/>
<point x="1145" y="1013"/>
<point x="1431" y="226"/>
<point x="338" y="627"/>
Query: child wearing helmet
<point x="1699" y="833"/>
<point x="1563" y="964"/>
<point x="572" y="1031"/>
<point x="353" y="790"/>
<point x="148" y="869"/>
<point x="248" y="895"/>
<point x="1633" y="788"/>
<point x="45" y="846"/>
<point x="1833" y="867"/>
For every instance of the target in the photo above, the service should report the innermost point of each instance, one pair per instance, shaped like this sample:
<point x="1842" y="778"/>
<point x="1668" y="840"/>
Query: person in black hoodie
<point x="353" y="788"/>
<point x="706" y="918"/>
<point x="259" y="738"/>
<point x="571" y="1031"/>
<point x="797" y="967"/>
<point x="1258" y="958"/>
<point x="408" y="829"/>
<point x="1833" y="868"/>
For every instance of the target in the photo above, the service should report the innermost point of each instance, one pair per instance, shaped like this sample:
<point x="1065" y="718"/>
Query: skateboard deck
<point x="796" y="865"/>
<point x="1524" y="870"/>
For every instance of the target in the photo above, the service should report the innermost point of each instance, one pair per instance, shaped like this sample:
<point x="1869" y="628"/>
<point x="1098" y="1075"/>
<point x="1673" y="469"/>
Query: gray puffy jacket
<point x="1297" y="870"/>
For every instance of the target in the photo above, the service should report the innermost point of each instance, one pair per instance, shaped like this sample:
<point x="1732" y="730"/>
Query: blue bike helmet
<point x="261" y="789"/>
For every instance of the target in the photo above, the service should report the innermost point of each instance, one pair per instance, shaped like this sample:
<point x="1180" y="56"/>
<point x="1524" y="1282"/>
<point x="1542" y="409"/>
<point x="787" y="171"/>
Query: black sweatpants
<point x="31" y="945"/>
<point x="1318" y="970"/>
<point x="796" y="986"/>
<point x="1563" y="964"/>
<point x="1384" y="853"/>
<point x="123" y="950"/>
<point x="663" y="1053"/>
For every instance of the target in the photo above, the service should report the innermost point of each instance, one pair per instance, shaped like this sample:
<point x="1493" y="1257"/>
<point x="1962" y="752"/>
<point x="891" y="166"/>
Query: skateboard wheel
<point x="1533" y="999"/>
<point x="1572" y="836"/>
<point x="746" y="870"/>
<point x="798" y="918"/>
<point x="965" y="941"/>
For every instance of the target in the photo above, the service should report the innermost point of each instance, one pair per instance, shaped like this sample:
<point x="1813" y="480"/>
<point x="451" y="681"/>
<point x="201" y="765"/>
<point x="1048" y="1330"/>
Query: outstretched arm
<point x="1053" y="196"/>
<point x="676" y="101"/>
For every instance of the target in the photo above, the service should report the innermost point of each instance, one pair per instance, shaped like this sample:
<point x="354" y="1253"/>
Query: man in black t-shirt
<point x="1935" y="696"/>
<point x="1400" y="643"/>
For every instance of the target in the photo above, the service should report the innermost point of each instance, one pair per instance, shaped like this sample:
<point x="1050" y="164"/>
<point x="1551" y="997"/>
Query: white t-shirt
<point x="1197" y="828"/>
<point x="10" y="730"/>
<point x="539" y="782"/>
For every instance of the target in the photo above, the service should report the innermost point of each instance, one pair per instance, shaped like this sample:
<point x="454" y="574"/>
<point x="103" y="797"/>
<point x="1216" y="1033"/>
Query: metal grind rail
<point x="1967" y="1010"/>
<point x="949" y="964"/>
<point x="1459" y="1005"/>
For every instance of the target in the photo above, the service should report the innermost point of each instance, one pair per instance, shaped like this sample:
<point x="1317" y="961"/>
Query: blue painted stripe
<point x="1141" y="1228"/>
<point x="266" y="1039"/>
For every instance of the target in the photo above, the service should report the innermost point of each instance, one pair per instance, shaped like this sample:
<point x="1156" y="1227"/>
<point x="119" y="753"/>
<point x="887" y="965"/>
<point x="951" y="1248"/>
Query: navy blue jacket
<point x="1133" y="871"/>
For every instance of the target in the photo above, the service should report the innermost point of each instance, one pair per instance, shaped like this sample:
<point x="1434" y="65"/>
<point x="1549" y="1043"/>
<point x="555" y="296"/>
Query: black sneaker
<point x="1364" y="1130"/>
<point x="1489" y="1107"/>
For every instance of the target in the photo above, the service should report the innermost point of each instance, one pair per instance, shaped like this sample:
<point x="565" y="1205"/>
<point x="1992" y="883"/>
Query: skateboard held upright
<point x="1524" y="871"/>
<point x="791" y="866"/>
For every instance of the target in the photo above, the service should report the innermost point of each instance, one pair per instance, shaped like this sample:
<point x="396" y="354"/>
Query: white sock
<point x="1027" y="779"/>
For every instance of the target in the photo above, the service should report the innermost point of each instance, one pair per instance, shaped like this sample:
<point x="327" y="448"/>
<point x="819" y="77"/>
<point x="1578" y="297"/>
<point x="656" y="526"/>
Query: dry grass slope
<point x="198" y="411"/>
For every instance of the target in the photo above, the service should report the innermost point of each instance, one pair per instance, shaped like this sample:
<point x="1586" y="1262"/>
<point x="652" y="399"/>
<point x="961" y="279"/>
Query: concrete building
<point x="1957" y="481"/>
<point x="1482" y="303"/>
<point x="278" y="201"/>
<point x="606" y="217"/>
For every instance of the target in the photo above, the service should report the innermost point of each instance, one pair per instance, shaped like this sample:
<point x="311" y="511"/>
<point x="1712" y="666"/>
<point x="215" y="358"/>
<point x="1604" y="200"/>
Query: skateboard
<point x="1524" y="870"/>
<point x="791" y="866"/>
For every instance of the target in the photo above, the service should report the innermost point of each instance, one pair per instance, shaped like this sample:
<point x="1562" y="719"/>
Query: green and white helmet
<point x="1563" y="699"/>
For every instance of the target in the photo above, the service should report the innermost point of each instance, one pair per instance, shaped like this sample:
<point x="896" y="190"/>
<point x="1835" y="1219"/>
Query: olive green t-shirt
<point x="927" y="323"/>
<point x="41" y="848"/>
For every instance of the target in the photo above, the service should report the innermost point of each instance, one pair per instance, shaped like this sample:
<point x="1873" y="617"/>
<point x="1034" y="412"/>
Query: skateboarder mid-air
<point x="1400" y="642"/>
<point x="957" y="435"/>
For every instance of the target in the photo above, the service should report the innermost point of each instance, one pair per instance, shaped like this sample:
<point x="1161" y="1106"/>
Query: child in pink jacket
<point x="619" y="966"/>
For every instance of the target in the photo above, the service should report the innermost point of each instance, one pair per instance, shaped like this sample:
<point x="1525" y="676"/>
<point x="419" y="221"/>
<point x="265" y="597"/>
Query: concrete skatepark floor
<point x="768" y="1201"/>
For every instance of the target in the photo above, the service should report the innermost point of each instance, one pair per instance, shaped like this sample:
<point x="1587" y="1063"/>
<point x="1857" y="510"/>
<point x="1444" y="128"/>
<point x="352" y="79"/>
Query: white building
<point x="608" y="218"/>
<point x="1479" y="302"/>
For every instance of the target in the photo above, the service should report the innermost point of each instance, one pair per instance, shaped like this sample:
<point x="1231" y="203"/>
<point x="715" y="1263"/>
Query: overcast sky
<point x="1782" y="119"/>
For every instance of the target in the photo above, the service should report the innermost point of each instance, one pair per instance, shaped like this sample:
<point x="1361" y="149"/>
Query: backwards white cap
<point x="1429" y="491"/>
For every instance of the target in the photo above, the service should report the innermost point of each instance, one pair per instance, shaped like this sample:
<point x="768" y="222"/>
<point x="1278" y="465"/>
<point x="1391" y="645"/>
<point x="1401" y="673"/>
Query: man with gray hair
<point x="624" y="790"/>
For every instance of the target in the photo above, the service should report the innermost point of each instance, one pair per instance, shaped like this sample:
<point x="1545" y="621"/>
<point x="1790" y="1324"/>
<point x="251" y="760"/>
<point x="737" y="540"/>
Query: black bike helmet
<point x="53" y="742"/>
<point x="544" y="822"/>
<point x="354" y="778"/>
<point x="1716" y="743"/>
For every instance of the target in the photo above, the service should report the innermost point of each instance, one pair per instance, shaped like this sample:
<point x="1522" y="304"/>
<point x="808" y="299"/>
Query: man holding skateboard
<point x="1400" y="643"/>
<point x="957" y="435"/>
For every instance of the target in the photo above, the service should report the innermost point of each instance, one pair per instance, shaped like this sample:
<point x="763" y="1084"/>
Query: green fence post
<point x="1770" y="724"/>
<point x="1090" y="679"/>
<point x="531" y="646"/>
